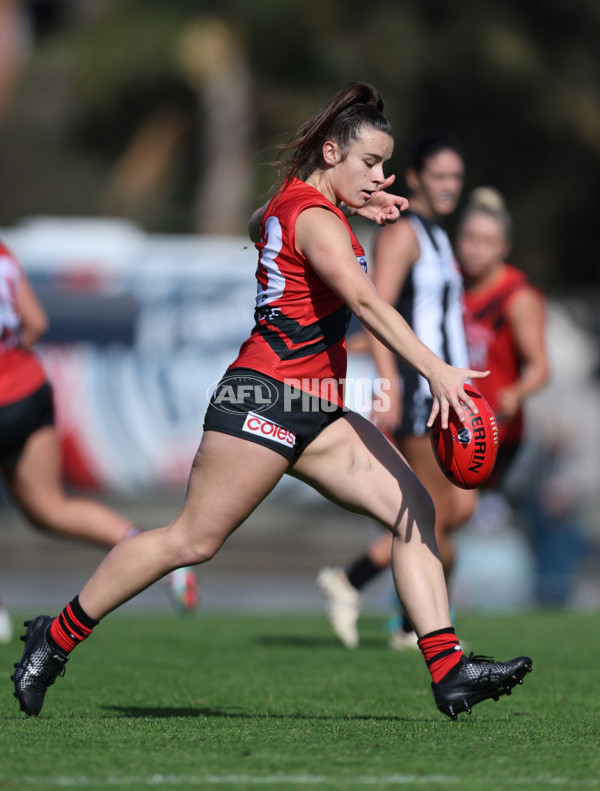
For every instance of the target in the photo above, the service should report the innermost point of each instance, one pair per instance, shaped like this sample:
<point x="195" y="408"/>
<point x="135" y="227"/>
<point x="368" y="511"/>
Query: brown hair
<point x="428" y="145"/>
<point x="341" y="120"/>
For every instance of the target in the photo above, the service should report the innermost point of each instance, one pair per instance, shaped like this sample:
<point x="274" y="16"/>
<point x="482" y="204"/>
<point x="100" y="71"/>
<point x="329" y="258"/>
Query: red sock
<point x="71" y="627"/>
<point x="441" y="651"/>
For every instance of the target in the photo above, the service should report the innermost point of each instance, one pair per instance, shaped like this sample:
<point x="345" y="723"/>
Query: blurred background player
<point x="29" y="448"/>
<point x="415" y="271"/>
<point x="505" y="326"/>
<point x="505" y="320"/>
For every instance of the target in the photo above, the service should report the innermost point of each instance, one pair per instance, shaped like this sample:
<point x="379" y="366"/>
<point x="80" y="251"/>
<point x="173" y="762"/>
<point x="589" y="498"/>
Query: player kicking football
<point x="311" y="277"/>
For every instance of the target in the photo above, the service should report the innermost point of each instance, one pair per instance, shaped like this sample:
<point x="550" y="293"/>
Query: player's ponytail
<point x="488" y="201"/>
<point x="341" y="120"/>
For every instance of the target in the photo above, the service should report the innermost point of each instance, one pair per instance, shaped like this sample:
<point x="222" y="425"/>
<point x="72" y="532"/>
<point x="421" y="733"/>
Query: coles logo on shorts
<point x="255" y="424"/>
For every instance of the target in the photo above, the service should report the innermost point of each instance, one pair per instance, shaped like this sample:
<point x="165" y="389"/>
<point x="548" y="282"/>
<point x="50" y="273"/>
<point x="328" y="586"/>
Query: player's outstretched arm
<point x="321" y="236"/>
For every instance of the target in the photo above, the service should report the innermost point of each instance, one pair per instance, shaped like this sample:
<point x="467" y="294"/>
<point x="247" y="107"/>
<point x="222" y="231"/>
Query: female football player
<point x="279" y="409"/>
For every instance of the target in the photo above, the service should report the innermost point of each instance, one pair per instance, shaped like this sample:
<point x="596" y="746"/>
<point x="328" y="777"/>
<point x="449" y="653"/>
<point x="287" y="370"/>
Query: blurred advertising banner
<point x="141" y="327"/>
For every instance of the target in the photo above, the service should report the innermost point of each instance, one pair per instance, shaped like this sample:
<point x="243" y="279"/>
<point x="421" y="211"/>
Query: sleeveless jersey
<point x="431" y="301"/>
<point x="20" y="371"/>
<point x="492" y="345"/>
<point x="301" y="323"/>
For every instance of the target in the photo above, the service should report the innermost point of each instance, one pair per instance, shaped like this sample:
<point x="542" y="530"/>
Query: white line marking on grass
<point x="158" y="780"/>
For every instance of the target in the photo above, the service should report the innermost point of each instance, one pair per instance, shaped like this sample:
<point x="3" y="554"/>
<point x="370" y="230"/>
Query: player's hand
<point x="383" y="207"/>
<point x="447" y="387"/>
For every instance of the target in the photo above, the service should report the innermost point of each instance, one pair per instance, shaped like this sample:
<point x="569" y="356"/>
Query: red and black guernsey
<point x="21" y="373"/>
<point x="492" y="345"/>
<point x="301" y="323"/>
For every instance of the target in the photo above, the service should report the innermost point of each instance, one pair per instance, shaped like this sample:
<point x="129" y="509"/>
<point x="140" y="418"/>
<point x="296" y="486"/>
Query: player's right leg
<point x="229" y="478"/>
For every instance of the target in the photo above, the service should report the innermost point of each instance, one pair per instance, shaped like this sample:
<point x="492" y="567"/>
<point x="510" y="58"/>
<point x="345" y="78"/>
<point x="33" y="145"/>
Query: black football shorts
<point x="256" y="407"/>
<point x="19" y="420"/>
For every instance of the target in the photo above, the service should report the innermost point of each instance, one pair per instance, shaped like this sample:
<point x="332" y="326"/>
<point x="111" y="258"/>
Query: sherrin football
<point x="467" y="451"/>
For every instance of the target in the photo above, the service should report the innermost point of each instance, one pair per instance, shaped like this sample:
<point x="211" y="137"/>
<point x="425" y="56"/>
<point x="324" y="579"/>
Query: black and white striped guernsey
<point x="431" y="301"/>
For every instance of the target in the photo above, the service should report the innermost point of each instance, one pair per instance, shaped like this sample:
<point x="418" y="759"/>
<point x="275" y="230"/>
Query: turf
<point x="267" y="701"/>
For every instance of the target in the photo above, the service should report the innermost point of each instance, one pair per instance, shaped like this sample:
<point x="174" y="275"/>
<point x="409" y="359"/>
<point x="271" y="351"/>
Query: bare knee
<point x="189" y="547"/>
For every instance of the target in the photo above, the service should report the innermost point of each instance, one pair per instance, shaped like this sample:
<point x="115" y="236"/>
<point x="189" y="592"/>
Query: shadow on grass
<point x="296" y="641"/>
<point x="167" y="712"/>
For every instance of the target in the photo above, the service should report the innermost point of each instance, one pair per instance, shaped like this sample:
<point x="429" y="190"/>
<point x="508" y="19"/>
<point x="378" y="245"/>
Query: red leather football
<point x="467" y="452"/>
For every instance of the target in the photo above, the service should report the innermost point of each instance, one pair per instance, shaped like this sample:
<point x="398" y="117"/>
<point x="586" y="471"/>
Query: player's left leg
<point x="354" y="465"/>
<point x="453" y="506"/>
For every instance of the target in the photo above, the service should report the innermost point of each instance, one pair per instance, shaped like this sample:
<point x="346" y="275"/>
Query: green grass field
<point x="267" y="701"/>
